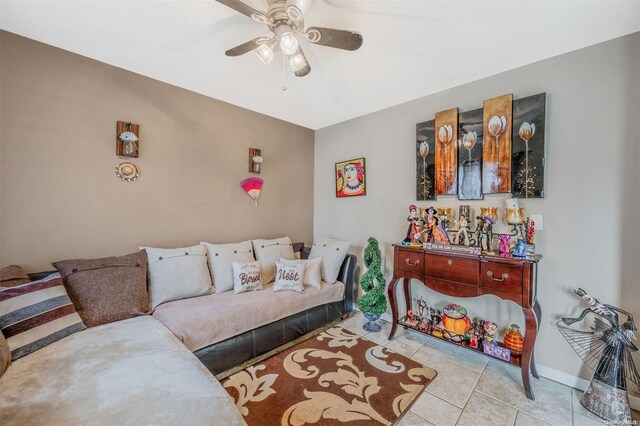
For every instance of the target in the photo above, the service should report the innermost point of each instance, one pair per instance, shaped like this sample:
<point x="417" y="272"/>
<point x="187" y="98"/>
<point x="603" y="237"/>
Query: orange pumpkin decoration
<point x="514" y="340"/>
<point x="455" y="319"/>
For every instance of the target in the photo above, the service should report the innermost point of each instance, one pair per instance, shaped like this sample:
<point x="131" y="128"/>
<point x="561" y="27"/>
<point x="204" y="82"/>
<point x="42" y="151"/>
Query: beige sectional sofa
<point x="131" y="372"/>
<point x="143" y="370"/>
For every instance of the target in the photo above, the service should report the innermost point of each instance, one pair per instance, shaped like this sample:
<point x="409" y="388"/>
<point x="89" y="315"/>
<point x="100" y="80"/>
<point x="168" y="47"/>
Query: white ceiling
<point x="411" y="48"/>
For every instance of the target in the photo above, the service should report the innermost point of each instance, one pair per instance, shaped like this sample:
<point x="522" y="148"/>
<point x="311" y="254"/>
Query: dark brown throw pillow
<point x="108" y="289"/>
<point x="12" y="276"/>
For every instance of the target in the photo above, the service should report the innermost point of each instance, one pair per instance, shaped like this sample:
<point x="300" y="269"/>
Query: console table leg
<point x="407" y="293"/>
<point x="531" y="329"/>
<point x="537" y="312"/>
<point x="394" y="307"/>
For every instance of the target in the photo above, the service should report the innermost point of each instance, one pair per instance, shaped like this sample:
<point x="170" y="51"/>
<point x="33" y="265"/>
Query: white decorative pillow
<point x="332" y="253"/>
<point x="220" y="257"/>
<point x="177" y="273"/>
<point x="312" y="275"/>
<point x="289" y="277"/>
<point x="268" y="252"/>
<point x="246" y="277"/>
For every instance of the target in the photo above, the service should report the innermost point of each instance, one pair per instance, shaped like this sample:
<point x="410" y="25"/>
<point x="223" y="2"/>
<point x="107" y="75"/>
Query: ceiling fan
<point x="285" y="20"/>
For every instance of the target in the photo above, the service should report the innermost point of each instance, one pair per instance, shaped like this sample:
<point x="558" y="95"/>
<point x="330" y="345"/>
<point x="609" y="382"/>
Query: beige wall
<point x="60" y="197"/>
<point x="591" y="234"/>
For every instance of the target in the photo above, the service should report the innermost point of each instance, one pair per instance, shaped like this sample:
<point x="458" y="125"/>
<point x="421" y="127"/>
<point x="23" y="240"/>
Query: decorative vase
<point x="514" y="340"/>
<point x="372" y="326"/>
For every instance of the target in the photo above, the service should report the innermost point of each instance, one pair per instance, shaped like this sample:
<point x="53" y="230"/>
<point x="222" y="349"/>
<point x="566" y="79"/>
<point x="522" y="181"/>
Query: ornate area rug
<point x="332" y="378"/>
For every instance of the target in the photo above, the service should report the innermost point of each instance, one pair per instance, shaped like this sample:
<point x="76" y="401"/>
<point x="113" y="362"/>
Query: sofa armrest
<point x="347" y="276"/>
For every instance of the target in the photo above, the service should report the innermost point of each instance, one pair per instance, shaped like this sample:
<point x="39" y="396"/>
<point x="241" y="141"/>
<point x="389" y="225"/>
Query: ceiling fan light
<point x="298" y="61"/>
<point x="265" y="53"/>
<point x="288" y="43"/>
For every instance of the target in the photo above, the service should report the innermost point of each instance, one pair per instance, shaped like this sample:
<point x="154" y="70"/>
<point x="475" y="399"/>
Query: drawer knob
<point x="412" y="263"/>
<point x="504" y="276"/>
<point x="449" y="262"/>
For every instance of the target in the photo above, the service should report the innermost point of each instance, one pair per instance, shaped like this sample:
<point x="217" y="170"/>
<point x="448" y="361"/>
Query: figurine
<point x="488" y="231"/>
<point x="606" y="349"/>
<point x="463" y="228"/>
<point x="411" y="320"/>
<point x="478" y="231"/>
<point x="504" y="243"/>
<point x="437" y="328"/>
<point x="422" y="305"/>
<point x="520" y="249"/>
<point x="413" y="233"/>
<point x="435" y="232"/>
<point x="490" y="331"/>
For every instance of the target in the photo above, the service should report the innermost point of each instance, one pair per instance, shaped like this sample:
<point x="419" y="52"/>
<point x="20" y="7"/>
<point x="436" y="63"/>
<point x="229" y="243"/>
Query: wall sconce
<point x="515" y="215"/>
<point x="255" y="160"/>
<point x="127" y="139"/>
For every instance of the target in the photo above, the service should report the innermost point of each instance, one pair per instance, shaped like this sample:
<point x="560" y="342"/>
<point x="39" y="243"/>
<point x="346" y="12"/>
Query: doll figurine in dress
<point x="413" y="233"/>
<point x="435" y="233"/>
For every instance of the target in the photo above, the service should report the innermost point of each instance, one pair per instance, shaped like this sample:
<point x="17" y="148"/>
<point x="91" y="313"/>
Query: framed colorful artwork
<point x="496" y="147"/>
<point x="350" y="178"/>
<point x="527" y="162"/>
<point x="425" y="160"/>
<point x="446" y="135"/>
<point x="470" y="155"/>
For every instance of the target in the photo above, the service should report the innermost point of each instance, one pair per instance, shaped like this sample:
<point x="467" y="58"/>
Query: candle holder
<point x="515" y="217"/>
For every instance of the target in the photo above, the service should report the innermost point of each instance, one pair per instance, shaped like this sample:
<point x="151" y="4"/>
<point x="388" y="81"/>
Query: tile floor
<point x="472" y="389"/>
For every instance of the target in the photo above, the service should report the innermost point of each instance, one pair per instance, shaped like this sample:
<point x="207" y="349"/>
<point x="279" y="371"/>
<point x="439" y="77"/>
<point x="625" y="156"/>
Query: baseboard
<point x="560" y="377"/>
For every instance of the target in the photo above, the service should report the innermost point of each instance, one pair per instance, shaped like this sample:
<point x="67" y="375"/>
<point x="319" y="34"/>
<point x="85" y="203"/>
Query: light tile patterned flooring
<point x="472" y="389"/>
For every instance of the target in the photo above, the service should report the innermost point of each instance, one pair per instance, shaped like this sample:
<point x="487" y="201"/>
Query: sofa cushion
<point x="289" y="277"/>
<point x="13" y="275"/>
<point x="220" y="256"/>
<point x="132" y="372"/>
<point x="312" y="275"/>
<point x="332" y="253"/>
<point x="177" y="273"/>
<point x="203" y="321"/>
<point x="270" y="251"/>
<point x="36" y="314"/>
<point x="5" y="355"/>
<point x="108" y="289"/>
<point x="246" y="276"/>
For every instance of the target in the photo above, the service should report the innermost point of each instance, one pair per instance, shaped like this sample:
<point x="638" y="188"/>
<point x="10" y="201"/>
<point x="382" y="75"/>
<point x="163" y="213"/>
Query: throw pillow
<point x="289" y="277"/>
<point x="177" y="273"/>
<point x="5" y="355"/>
<point x="107" y="289"/>
<point x="13" y="275"/>
<point x="246" y="276"/>
<point x="220" y="257"/>
<point x="268" y="252"/>
<point x="312" y="275"/>
<point x="332" y="253"/>
<point x="36" y="314"/>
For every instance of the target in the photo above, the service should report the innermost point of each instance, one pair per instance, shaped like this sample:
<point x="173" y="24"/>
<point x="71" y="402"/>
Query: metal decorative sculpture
<point x="606" y="349"/>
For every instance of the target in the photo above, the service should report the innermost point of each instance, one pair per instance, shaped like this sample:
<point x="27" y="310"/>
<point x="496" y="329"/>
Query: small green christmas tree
<point x="372" y="281"/>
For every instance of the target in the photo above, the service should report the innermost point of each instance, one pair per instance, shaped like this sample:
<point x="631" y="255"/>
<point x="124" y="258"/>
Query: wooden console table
<point x="465" y="275"/>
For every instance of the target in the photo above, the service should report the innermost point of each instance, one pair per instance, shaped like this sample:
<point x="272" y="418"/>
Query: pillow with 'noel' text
<point x="289" y="277"/>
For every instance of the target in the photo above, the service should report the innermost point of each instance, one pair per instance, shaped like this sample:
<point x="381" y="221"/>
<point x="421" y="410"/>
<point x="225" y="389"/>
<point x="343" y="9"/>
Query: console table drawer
<point x="411" y="261"/>
<point x="501" y="276"/>
<point x="452" y="268"/>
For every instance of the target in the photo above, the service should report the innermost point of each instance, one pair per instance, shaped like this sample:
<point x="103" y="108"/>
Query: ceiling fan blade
<point x="245" y="9"/>
<point x="246" y="47"/>
<point x="330" y="37"/>
<point x="297" y="9"/>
